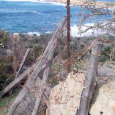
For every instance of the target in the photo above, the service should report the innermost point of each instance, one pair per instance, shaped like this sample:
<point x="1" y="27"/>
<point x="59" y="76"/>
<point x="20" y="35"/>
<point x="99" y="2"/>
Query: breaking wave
<point x="90" y="32"/>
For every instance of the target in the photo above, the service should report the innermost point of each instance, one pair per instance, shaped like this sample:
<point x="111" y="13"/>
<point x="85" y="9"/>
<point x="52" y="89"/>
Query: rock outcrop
<point x="65" y="97"/>
<point x="103" y="102"/>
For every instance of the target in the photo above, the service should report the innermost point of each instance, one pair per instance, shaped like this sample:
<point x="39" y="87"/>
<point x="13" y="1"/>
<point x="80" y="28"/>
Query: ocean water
<point x="38" y="17"/>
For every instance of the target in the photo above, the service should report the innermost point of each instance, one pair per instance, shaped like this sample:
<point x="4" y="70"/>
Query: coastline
<point x="101" y="4"/>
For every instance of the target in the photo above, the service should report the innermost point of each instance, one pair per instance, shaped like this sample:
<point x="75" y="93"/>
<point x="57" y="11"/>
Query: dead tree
<point x="89" y="84"/>
<point x="42" y="65"/>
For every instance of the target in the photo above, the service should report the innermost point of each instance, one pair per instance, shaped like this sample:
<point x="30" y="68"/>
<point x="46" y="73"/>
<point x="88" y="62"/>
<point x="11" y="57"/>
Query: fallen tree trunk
<point x="42" y="65"/>
<point x="17" y="80"/>
<point x="39" y="96"/>
<point x="89" y="85"/>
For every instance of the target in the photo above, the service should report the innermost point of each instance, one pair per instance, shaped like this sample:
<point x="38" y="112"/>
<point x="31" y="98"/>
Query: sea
<point x="42" y="17"/>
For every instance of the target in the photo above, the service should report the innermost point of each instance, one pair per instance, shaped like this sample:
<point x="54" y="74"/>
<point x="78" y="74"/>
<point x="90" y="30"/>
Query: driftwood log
<point x="89" y="85"/>
<point x="42" y="65"/>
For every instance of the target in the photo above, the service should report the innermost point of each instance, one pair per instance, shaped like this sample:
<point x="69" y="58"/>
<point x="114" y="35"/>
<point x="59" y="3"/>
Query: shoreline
<point x="100" y="4"/>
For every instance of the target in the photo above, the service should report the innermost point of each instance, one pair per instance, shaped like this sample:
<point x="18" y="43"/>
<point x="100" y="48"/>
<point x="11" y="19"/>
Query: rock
<point x="65" y="97"/>
<point x="103" y="102"/>
<point x="107" y="70"/>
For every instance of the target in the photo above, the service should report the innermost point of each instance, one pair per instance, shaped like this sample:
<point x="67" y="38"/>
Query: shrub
<point x="24" y="39"/>
<point x="106" y="53"/>
<point x="35" y="40"/>
<point x="4" y="40"/>
<point x="37" y="50"/>
<point x="56" y="53"/>
<point x="30" y="46"/>
<point x="42" y="36"/>
<point x="48" y="35"/>
<point x="1" y="34"/>
<point x="113" y="55"/>
<point x="64" y="53"/>
<point x="30" y="60"/>
<point x="6" y="73"/>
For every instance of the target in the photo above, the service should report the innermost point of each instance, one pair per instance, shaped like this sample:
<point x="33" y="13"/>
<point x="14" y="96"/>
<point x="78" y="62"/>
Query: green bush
<point x="106" y="51"/>
<point x="42" y="36"/>
<point x="1" y="34"/>
<point x="37" y="50"/>
<point x="35" y="40"/>
<point x="55" y="53"/>
<point x="109" y="37"/>
<point x="4" y="40"/>
<point x="30" y="46"/>
<point x="64" y="53"/>
<point x="113" y="55"/>
<point x="74" y="46"/>
<point x="48" y="35"/>
<point x="6" y="73"/>
<point x="24" y="39"/>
